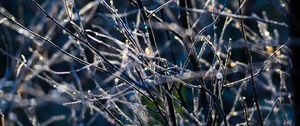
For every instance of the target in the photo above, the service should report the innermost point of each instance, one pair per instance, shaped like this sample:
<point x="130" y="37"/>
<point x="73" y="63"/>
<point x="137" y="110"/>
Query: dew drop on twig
<point x="219" y="75"/>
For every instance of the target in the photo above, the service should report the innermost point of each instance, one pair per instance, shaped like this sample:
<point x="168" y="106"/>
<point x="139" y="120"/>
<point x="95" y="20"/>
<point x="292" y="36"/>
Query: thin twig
<point x="249" y="58"/>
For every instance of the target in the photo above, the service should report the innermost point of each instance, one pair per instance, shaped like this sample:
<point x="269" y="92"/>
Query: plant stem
<point x="249" y="58"/>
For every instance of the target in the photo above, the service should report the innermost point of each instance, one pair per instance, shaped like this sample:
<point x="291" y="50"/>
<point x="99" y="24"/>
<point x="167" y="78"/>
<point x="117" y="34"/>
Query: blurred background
<point x="36" y="91"/>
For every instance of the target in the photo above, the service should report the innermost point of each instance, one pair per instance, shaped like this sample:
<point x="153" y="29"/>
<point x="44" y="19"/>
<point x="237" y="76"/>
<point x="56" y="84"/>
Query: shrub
<point x="169" y="62"/>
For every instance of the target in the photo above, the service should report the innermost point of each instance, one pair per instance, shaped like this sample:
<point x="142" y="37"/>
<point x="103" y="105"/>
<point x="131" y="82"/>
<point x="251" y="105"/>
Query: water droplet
<point x="21" y="31"/>
<point x="232" y="64"/>
<point x="148" y="51"/>
<point x="116" y="80"/>
<point x="219" y="75"/>
<point x="32" y="102"/>
<point x="234" y="113"/>
<point x="269" y="49"/>
<point x="244" y="98"/>
<point x="12" y="116"/>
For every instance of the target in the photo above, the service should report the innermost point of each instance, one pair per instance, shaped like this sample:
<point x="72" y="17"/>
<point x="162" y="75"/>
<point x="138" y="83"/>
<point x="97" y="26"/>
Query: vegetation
<point x="145" y="62"/>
